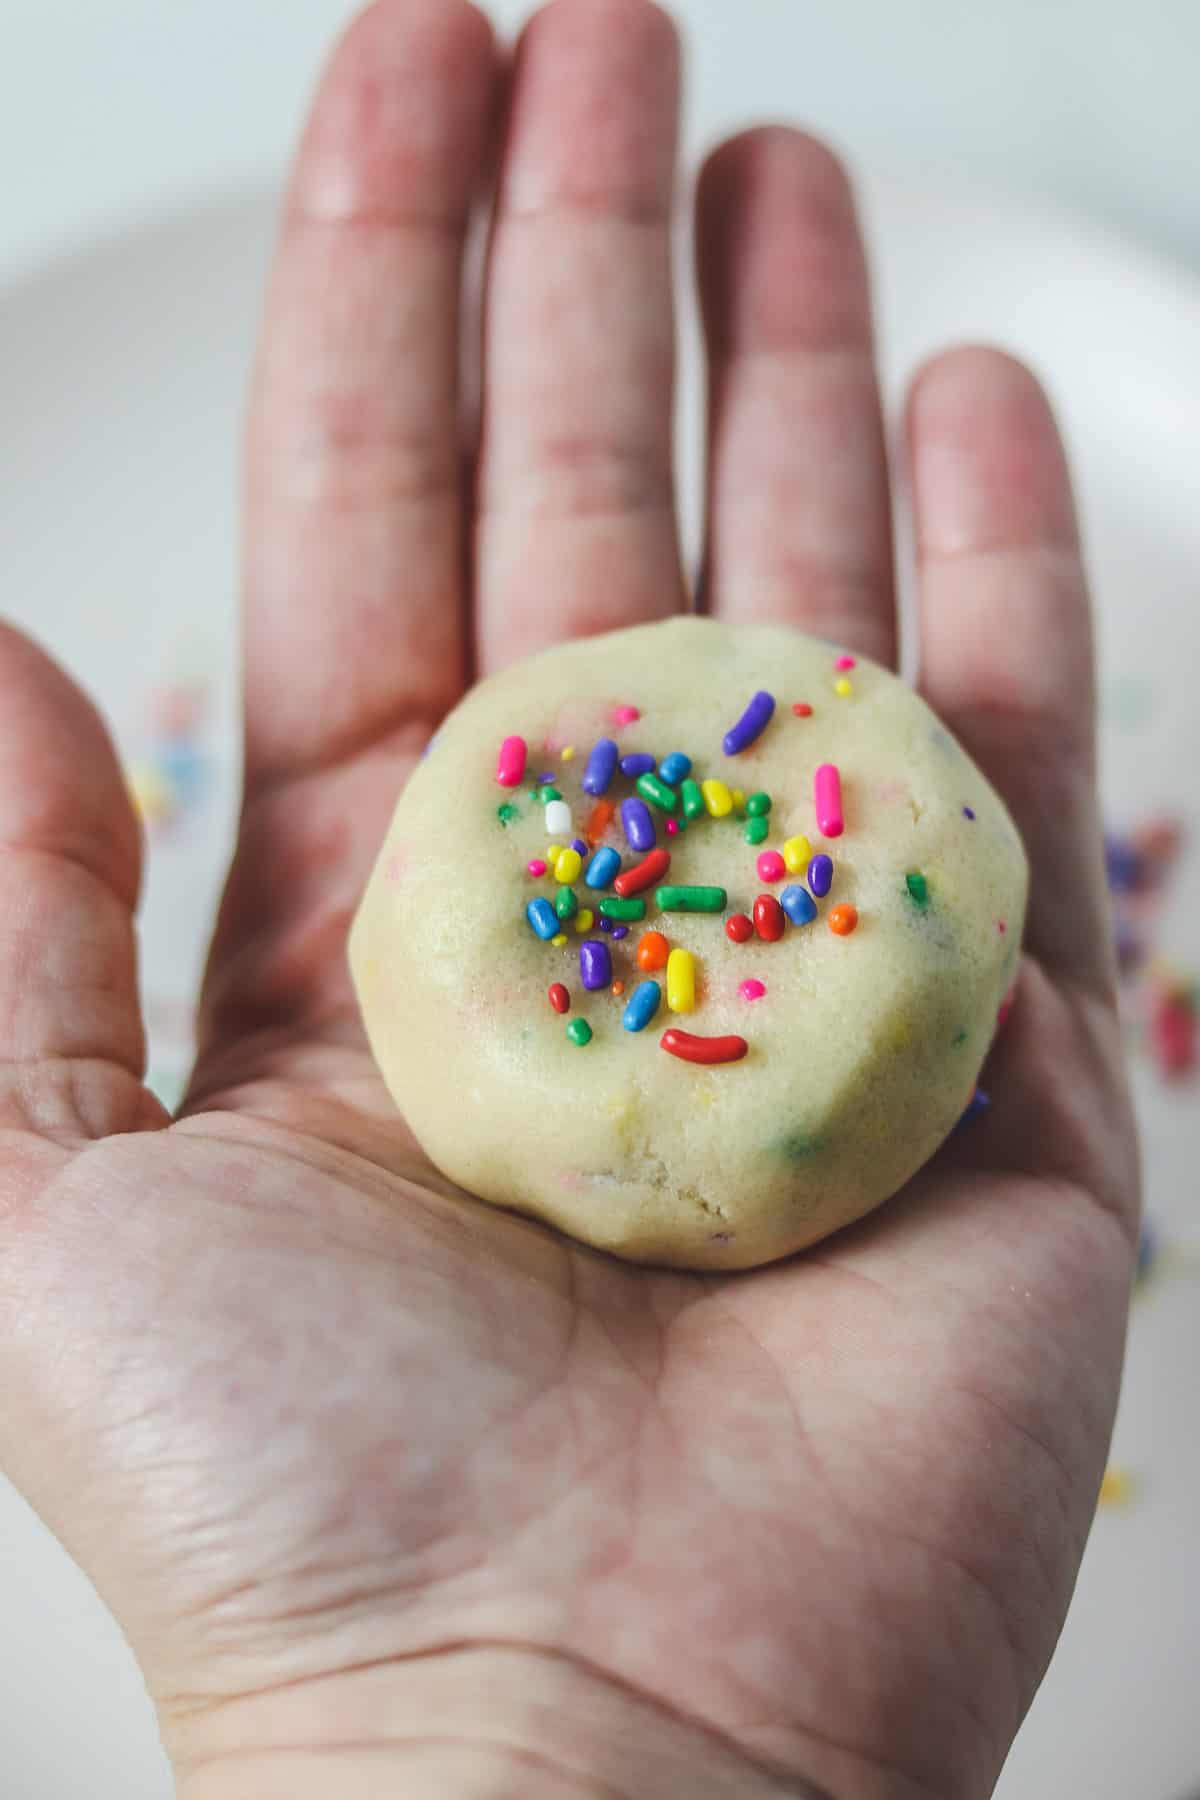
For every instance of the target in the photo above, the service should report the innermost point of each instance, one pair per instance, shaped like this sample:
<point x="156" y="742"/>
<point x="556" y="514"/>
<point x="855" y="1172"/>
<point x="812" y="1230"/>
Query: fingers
<point x="354" y="595"/>
<point x="799" y="528"/>
<point x="71" y="1042"/>
<point x="577" y="528"/>
<point x="1005" y="630"/>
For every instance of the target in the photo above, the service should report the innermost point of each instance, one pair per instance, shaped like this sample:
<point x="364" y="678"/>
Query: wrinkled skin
<point x="298" y="1407"/>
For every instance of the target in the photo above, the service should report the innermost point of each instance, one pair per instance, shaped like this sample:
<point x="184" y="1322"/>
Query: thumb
<point x="71" y="1038"/>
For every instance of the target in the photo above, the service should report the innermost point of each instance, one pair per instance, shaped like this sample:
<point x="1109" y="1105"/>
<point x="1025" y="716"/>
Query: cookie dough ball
<point x="689" y="940"/>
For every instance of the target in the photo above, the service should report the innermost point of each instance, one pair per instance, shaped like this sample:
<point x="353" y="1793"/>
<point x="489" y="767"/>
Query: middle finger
<point x="576" y="526"/>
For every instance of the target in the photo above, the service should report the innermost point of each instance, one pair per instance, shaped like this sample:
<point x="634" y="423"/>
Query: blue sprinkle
<point x="675" y="767"/>
<point x="603" y="866"/>
<point x="968" y="813"/>
<point x="642" y="1006"/>
<point x="798" y="904"/>
<point x="543" y="918"/>
<point x="619" y="931"/>
<point x="636" y="763"/>
<point x="601" y="767"/>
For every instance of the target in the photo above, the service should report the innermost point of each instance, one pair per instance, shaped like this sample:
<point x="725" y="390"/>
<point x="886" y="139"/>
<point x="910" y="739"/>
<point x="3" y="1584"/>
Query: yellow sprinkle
<point x="1118" y="1488"/>
<point x="568" y="753"/>
<point x="739" y="801"/>
<point x="567" y="865"/>
<point x="559" y="941"/>
<point x="553" y="852"/>
<point x="717" y="798"/>
<point x="843" y="687"/>
<point x="585" y="919"/>
<point x="681" y="981"/>
<point x="797" y="854"/>
<point x="153" y="797"/>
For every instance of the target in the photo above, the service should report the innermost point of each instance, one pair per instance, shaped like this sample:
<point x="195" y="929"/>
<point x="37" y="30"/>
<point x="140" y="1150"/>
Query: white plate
<point x="123" y="372"/>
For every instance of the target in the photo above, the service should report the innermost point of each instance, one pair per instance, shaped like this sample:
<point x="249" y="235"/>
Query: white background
<point x="115" y="112"/>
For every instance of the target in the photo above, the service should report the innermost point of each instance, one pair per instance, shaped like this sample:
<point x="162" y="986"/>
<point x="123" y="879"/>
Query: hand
<point x="393" y="1492"/>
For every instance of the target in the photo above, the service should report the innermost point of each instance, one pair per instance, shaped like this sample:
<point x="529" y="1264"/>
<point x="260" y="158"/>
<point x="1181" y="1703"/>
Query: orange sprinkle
<point x="843" y="920"/>
<point x="599" y="820"/>
<point x="618" y="987"/>
<point x="652" y="951"/>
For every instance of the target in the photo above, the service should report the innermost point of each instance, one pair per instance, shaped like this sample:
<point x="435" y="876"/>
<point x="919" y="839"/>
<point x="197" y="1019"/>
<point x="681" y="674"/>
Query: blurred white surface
<point x="122" y="367"/>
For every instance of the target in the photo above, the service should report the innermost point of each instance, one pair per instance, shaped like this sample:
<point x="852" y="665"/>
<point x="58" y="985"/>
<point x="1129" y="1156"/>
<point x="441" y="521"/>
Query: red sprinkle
<point x="652" y="868"/>
<point x="1005" y="1013"/>
<point x="738" y="927"/>
<point x="703" y="1049"/>
<point x="802" y="709"/>
<point x="768" y="918"/>
<point x="560" y="999"/>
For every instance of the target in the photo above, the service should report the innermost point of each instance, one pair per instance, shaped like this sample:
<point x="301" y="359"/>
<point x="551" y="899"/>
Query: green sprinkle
<point x="657" y="792"/>
<point x="579" y="1032"/>
<point x="757" y="831"/>
<point x="507" y="813"/>
<point x="693" y="799"/>
<point x="612" y="908"/>
<point x="692" y="899"/>
<point x="566" y="903"/>
<point x="758" y="805"/>
<point x="918" y="890"/>
<point x="798" y="1146"/>
<point x="546" y="794"/>
<point x="959" y="1041"/>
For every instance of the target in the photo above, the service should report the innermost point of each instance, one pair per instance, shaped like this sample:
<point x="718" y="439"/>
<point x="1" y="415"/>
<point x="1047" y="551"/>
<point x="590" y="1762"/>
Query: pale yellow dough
<point x="862" y="1054"/>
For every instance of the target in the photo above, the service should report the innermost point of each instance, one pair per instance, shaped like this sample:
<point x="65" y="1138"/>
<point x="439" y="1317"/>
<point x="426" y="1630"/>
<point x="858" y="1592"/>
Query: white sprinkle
<point x="558" y="818"/>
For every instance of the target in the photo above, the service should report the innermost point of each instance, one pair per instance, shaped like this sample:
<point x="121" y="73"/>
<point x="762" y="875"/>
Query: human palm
<point x="319" y="1425"/>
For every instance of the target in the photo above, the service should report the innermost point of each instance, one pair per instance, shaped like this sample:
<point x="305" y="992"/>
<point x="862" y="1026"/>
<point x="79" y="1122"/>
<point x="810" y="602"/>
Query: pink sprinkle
<point x="845" y="662"/>
<point x="510" y="764"/>
<point x="1005" y="1013"/>
<point x="1001" y="927"/>
<point x="536" y="866"/>
<point x="673" y="827"/>
<point x="771" y="866"/>
<point x="827" y="789"/>
<point x="752" y="990"/>
<point x="626" y="715"/>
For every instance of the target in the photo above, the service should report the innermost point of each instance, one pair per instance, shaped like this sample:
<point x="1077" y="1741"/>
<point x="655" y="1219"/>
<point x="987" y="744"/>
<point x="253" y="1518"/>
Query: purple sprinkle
<point x="595" y="964"/>
<point x="580" y="846"/>
<point x="978" y="1103"/>
<point x="620" y="931"/>
<point x="545" y="779"/>
<point x="820" y="875"/>
<point x="967" y="813"/>
<point x="601" y="767"/>
<point x="606" y="924"/>
<point x="637" y="824"/>
<point x="637" y="763"/>
<point x="751" y="725"/>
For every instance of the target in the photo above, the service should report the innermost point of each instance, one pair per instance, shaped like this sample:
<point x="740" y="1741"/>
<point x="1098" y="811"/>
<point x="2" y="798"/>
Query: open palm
<point x="340" y="1446"/>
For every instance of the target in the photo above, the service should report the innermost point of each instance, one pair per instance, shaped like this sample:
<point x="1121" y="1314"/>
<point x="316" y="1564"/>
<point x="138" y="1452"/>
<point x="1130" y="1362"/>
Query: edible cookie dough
<point x="690" y="940"/>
